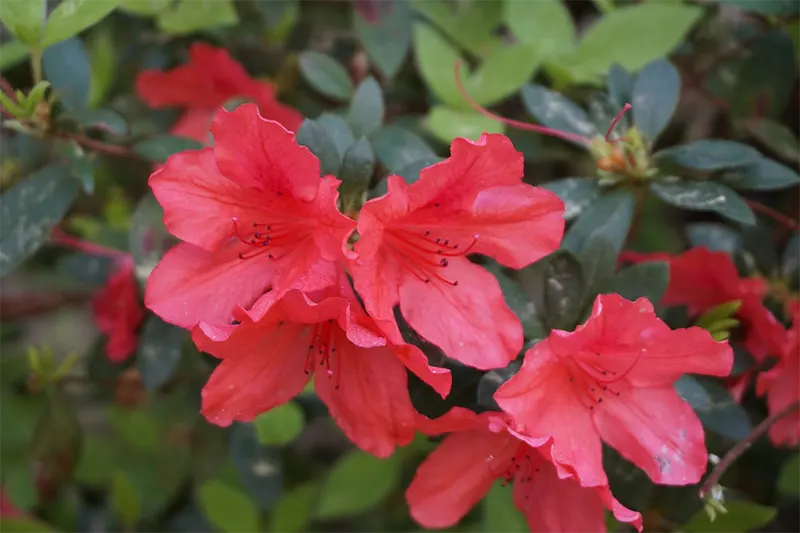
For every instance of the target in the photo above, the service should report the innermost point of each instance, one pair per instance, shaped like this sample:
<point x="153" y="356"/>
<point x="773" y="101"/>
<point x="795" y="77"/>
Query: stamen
<point x="616" y="120"/>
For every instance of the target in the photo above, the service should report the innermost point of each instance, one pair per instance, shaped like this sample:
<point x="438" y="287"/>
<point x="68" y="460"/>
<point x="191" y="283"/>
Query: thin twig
<point x="775" y="215"/>
<point x="713" y="479"/>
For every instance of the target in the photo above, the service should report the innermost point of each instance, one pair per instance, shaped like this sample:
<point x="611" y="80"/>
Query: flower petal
<point x="200" y="203"/>
<point x="191" y="285"/>
<point x="367" y="395"/>
<point x="194" y="123"/>
<point x="470" y="322"/>
<point x="262" y="154"/>
<point x="543" y="403"/>
<point x="456" y="475"/>
<point x="117" y="311"/>
<point x="656" y="430"/>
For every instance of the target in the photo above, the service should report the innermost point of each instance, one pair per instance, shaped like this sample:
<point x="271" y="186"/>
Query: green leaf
<point x="71" y="17"/>
<point x="642" y="280"/>
<point x="620" y="85"/>
<point x="631" y="36"/>
<point x="763" y="175"/>
<point x="326" y="75"/>
<point x="338" y="130"/>
<point x="103" y="63"/>
<point x="714" y="236"/>
<point x="742" y="516"/>
<point x="356" y="172"/>
<point x="145" y="7"/>
<point x="125" y="500"/>
<point x="655" y="96"/>
<point x="259" y="468"/>
<point x="97" y="119"/>
<point x="557" y="286"/>
<point x="518" y="302"/>
<point x="598" y="263"/>
<point x="159" y="351"/>
<point x="386" y="40"/>
<point x="357" y="483"/>
<point x="556" y="111"/>
<point x="706" y="196"/>
<point x="366" y="111"/>
<point x="715" y="407"/>
<point x="159" y="147"/>
<point x="710" y="154"/>
<point x="446" y="124"/>
<point x="789" y="478"/>
<point x="790" y="261"/>
<point x="609" y="216"/>
<point x="66" y="67"/>
<point x="12" y="53"/>
<point x="436" y="59"/>
<point x="136" y="427"/>
<point x="97" y="461"/>
<point x="148" y="238"/>
<point x="315" y="137"/>
<point x="576" y="193"/>
<point x="397" y="148"/>
<point x="19" y="483"/>
<point x="470" y="26"/>
<point x="30" y="210"/>
<point x="25" y="525"/>
<point x="545" y="24"/>
<point x="190" y="16"/>
<point x="89" y="269"/>
<point x="781" y="8"/>
<point x="227" y="508"/>
<point x="293" y="512"/>
<point x="502" y="73"/>
<point x="24" y="19"/>
<point x="775" y="136"/>
<point x="280" y="425"/>
<point x="499" y="512"/>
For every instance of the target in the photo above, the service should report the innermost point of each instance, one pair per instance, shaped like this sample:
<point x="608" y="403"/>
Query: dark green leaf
<point x="789" y="479"/>
<point x="24" y="19"/>
<point x="557" y="285"/>
<point x="743" y="361"/>
<point x="491" y="381"/>
<point x="630" y="485"/>
<point x="326" y="75"/>
<point x="397" y="148"/>
<point x="66" y="67"/>
<point x="742" y="516"/>
<point x="387" y="39"/>
<point x="148" y="239"/>
<point x="259" y="468"/>
<point x="518" y="301"/>
<point x="710" y="154"/>
<point x="91" y="269"/>
<point x="337" y="130"/>
<point x="315" y="137"/>
<point x="30" y="210"/>
<point x="136" y="427"/>
<point x="227" y="508"/>
<point x="620" y="85"/>
<point x="357" y="168"/>
<point x="411" y="172"/>
<point x="19" y="483"/>
<point x="447" y="124"/>
<point x="781" y="8"/>
<point x="790" y="261"/>
<point x="98" y="458"/>
<point x="365" y="115"/>
<point x="293" y="512"/>
<point x="357" y="483"/>
<point x="71" y="17"/>
<point x="97" y="119"/>
<point x="655" y="97"/>
<point x="189" y="16"/>
<point x="775" y="137"/>
<point x="706" y="196"/>
<point x="160" y="147"/>
<point x="280" y="425"/>
<point x="145" y="7"/>
<point x="126" y="501"/>
<point x="598" y="263"/>
<point x="713" y="236"/>
<point x="159" y="351"/>
<point x="715" y="407"/>
<point x="609" y="216"/>
<point x="557" y="111"/>
<point x="576" y="193"/>
<point x="763" y="175"/>
<point x="642" y="280"/>
<point x="499" y="512"/>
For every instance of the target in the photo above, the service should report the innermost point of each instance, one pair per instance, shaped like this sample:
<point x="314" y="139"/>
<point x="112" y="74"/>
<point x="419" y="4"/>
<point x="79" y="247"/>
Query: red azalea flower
<point x="456" y="476"/>
<point x="782" y="386"/>
<point x="612" y="379"/>
<point x="268" y="359"/>
<point x="701" y="280"/>
<point x="210" y="79"/>
<point x="7" y="507"/>
<point x="254" y="215"/>
<point x="414" y="241"/>
<point x="117" y="312"/>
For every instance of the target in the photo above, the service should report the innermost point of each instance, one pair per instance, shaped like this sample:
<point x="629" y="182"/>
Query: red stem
<point x="775" y="215"/>
<point x="514" y="123"/>
<point x="59" y="237"/>
<point x="616" y="120"/>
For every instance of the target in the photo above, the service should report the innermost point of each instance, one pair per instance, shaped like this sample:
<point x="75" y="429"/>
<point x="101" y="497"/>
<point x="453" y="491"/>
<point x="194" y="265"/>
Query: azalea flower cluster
<point x="275" y="281"/>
